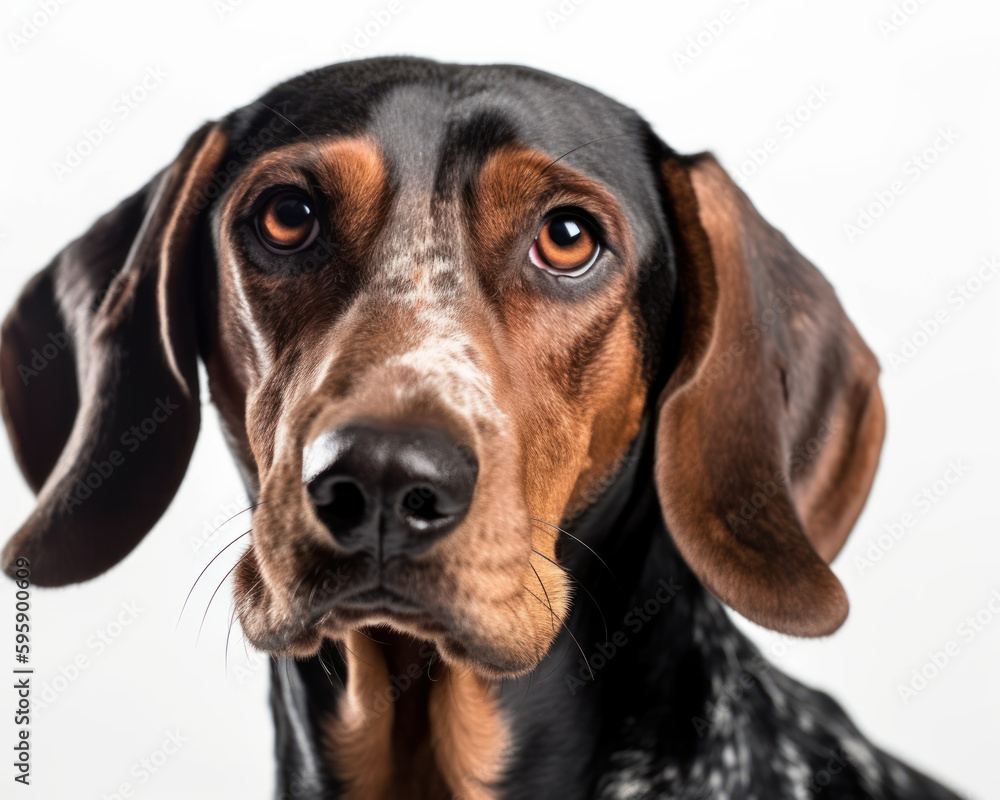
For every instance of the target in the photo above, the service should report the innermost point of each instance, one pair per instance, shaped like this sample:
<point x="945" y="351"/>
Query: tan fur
<point x="469" y="739"/>
<point x="548" y="407"/>
<point x="464" y="751"/>
<point x="418" y="305"/>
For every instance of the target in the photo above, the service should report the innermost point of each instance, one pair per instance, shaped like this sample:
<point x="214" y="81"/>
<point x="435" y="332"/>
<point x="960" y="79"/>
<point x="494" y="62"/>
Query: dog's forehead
<point x="436" y="124"/>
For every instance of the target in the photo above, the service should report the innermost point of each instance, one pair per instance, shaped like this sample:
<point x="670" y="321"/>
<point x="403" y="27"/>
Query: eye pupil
<point x="292" y="212"/>
<point x="287" y="223"/>
<point x="567" y="244"/>
<point x="564" y="231"/>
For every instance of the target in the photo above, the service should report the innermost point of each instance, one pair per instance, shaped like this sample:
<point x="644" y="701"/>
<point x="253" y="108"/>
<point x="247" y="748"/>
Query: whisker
<point x="302" y="580"/>
<point x="322" y="663"/>
<point x="359" y="658"/>
<point x="370" y="637"/>
<point x="575" y="580"/>
<point x="232" y="569"/>
<point x="200" y="574"/>
<point x="527" y="691"/>
<point x="591" y="549"/>
<point x="555" y="669"/>
<point x="552" y="614"/>
<point x="312" y="594"/>
<point x="226" y="522"/>
<point x="232" y="619"/>
<point x="571" y="636"/>
<point x="580" y="147"/>
<point x="286" y="119"/>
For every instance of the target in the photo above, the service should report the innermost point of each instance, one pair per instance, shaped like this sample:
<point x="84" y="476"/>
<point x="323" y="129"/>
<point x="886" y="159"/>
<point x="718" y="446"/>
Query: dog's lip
<point x="379" y="598"/>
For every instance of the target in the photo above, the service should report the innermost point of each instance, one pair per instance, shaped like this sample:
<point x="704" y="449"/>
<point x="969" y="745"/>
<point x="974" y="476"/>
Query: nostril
<point x="421" y="506"/>
<point x="391" y="490"/>
<point x="338" y="500"/>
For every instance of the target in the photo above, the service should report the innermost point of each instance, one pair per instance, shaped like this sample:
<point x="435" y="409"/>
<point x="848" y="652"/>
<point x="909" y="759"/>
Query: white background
<point x="891" y="92"/>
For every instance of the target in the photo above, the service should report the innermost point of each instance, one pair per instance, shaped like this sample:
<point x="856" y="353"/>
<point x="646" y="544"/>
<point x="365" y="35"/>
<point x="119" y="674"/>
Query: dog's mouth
<point x="349" y="596"/>
<point x="379" y="599"/>
<point x="336" y="548"/>
<point x="418" y="600"/>
<point x="328" y="602"/>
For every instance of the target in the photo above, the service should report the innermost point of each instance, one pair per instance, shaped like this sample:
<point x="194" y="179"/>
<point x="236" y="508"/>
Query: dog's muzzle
<point x="390" y="492"/>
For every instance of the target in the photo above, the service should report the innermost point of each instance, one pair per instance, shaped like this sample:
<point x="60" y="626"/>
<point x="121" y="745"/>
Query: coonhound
<point x="521" y="397"/>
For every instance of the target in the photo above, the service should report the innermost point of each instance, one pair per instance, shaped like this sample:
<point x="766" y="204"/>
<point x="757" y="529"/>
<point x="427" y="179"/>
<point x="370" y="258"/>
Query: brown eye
<point x="287" y="223"/>
<point x="566" y="245"/>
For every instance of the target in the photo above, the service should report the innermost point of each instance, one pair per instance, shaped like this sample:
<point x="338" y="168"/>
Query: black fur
<point x="686" y="707"/>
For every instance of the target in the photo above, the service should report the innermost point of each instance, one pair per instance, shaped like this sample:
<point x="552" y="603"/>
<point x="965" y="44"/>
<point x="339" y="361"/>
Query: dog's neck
<point x="402" y="724"/>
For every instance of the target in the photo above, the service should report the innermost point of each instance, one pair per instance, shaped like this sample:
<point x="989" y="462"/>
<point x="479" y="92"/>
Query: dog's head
<point x="435" y="304"/>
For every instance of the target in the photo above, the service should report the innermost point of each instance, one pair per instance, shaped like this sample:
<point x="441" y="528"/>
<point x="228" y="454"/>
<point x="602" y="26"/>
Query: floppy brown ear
<point x="99" y="379"/>
<point x="770" y="426"/>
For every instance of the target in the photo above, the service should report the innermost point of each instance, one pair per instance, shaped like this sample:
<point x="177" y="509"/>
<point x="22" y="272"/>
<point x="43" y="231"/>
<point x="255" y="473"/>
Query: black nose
<point x="391" y="491"/>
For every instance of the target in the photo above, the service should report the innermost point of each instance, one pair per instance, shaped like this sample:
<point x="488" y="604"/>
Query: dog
<point x="520" y="396"/>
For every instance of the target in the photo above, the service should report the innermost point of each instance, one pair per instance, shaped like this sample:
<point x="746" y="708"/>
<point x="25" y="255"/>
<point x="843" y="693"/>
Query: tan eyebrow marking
<point x="515" y="180"/>
<point x="350" y="173"/>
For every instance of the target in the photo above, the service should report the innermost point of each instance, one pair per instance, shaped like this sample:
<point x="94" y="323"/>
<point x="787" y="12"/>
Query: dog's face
<point x="436" y="344"/>
<point x="435" y="304"/>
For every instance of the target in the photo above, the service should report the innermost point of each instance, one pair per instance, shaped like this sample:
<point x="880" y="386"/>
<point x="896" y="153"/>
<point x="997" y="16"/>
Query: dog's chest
<point x="406" y="727"/>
